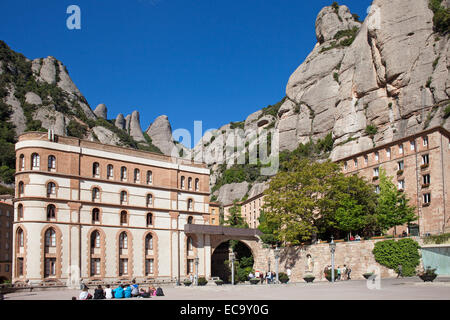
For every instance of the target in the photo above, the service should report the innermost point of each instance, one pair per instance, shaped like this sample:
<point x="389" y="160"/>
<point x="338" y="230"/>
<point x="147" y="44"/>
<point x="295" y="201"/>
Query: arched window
<point x="22" y="162"/>
<point x="35" y="161"/>
<point x="95" y="194"/>
<point x="20" y="211"/>
<point x="96" y="169"/>
<point x="149" y="177"/>
<point x="189" y="183"/>
<point x="20" y="189"/>
<point x="137" y="175"/>
<point x="50" y="238"/>
<point x="190" y="204"/>
<point x="51" y="189"/>
<point x="149" y="219"/>
<point x="182" y="182"/>
<point x="190" y="220"/>
<point x="123" y="173"/>
<point x="20" y="238"/>
<point x="123" y="241"/>
<point x="95" y="239"/>
<point x="51" y="163"/>
<point x="51" y="211"/>
<point x="123" y="217"/>
<point x="95" y="215"/>
<point x="197" y="184"/>
<point x="149" y="242"/>
<point x="123" y="197"/>
<point x="109" y="171"/>
<point x="149" y="200"/>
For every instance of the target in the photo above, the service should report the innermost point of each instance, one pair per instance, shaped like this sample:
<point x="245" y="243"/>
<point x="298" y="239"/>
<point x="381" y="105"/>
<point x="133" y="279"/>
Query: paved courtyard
<point x="389" y="289"/>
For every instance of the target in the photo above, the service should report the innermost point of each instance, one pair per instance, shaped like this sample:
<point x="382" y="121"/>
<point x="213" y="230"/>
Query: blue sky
<point x="208" y="60"/>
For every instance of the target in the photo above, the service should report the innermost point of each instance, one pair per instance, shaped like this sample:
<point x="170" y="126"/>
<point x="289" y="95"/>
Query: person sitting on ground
<point x="143" y="293"/>
<point x="99" y="293"/>
<point x="108" y="292"/>
<point x="84" y="294"/>
<point x="119" y="292"/>
<point x="250" y="276"/>
<point x="127" y="291"/>
<point x="352" y="238"/>
<point x="357" y="237"/>
<point x="159" y="292"/>
<point x="134" y="289"/>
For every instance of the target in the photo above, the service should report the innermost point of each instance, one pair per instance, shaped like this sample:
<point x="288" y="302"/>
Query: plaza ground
<point x="389" y="289"/>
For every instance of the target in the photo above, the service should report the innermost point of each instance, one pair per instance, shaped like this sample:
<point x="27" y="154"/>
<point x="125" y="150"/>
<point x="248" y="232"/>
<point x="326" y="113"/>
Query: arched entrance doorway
<point x="220" y="266"/>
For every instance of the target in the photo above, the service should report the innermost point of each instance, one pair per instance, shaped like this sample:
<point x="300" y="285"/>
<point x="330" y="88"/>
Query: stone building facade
<point x="418" y="164"/>
<point x="105" y="212"/>
<point x="6" y="239"/>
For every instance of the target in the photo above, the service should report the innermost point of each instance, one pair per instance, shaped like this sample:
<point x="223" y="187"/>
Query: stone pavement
<point x="390" y="289"/>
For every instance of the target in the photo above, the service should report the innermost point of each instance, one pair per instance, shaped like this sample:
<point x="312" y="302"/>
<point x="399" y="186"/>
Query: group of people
<point x="264" y="277"/>
<point x="343" y="272"/>
<point x="122" y="291"/>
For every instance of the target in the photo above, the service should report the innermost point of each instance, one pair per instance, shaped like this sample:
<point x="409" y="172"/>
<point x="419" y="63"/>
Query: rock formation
<point x="101" y="111"/>
<point x="160" y="132"/>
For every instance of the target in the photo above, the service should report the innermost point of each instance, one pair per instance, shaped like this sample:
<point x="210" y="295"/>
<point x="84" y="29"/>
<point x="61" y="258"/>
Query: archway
<point x="243" y="262"/>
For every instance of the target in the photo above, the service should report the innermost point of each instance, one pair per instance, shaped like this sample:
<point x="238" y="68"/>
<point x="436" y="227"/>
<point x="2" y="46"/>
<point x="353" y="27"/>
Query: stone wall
<point x="356" y="254"/>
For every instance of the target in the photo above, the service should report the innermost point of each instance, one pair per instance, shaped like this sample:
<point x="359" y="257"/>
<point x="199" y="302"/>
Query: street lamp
<point x="232" y="256"/>
<point x="277" y="256"/>
<point x="332" y="249"/>
<point x="196" y="271"/>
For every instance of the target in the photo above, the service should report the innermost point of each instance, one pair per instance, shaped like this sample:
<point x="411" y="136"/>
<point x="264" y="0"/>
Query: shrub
<point x="219" y="282"/>
<point x="328" y="274"/>
<point x="447" y="111"/>
<point x="336" y="77"/>
<point x="187" y="282"/>
<point x="441" y="18"/>
<point x="202" y="281"/>
<point x="437" y="239"/>
<point x="76" y="129"/>
<point x="283" y="277"/>
<point x="371" y="130"/>
<point x="404" y="252"/>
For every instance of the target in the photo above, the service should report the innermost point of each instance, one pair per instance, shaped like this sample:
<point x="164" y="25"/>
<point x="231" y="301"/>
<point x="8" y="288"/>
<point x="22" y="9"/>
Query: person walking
<point x="344" y="272"/>
<point x="261" y="277"/>
<point x="349" y="270"/>
<point x="338" y="276"/>
<point x="400" y="271"/>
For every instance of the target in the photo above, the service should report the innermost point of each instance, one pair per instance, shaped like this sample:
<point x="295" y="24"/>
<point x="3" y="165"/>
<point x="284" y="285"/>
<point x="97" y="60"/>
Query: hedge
<point x="404" y="252"/>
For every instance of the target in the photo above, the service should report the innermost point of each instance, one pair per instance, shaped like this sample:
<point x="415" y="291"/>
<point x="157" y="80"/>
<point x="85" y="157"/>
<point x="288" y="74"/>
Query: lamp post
<point x="232" y="256"/>
<point x="332" y="249"/>
<point x="196" y="271"/>
<point x="277" y="256"/>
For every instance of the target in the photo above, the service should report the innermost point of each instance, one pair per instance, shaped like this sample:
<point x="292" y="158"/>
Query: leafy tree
<point x="268" y="228"/>
<point x="404" y="252"/>
<point x="235" y="218"/>
<point x="297" y="200"/>
<point x="355" y="202"/>
<point x="76" y="129"/>
<point x="392" y="205"/>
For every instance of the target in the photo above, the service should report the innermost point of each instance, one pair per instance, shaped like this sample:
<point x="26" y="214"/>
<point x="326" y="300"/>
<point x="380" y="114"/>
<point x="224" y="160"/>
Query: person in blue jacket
<point x="128" y="291"/>
<point x="119" y="292"/>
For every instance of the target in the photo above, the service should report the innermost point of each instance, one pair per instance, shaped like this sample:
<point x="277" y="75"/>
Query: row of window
<point x="50" y="241"/>
<point x="123" y="173"/>
<point x="401" y="165"/>
<point x="388" y="153"/>
<point x="95" y="213"/>
<point x="189" y="183"/>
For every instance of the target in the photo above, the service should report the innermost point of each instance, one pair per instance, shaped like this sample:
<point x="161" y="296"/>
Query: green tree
<point x="355" y="201"/>
<point x="297" y="200"/>
<point x="235" y="218"/>
<point x="267" y="227"/>
<point x="393" y="207"/>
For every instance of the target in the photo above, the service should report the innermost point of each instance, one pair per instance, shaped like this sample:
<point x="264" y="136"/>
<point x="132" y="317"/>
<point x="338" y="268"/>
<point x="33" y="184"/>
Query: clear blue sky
<point x="208" y="60"/>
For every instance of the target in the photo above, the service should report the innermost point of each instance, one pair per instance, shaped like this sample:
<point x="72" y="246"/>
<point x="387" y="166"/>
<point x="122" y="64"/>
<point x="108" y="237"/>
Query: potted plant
<point x="283" y="277"/>
<point x="187" y="282"/>
<point x="367" y="275"/>
<point x="428" y="275"/>
<point x="202" y="281"/>
<point x="254" y="281"/>
<point x="309" y="278"/>
<point x="328" y="274"/>
<point x="219" y="282"/>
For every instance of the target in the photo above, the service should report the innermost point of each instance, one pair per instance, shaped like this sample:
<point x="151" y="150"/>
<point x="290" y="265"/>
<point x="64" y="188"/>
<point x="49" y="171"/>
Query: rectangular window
<point x="95" y="266"/>
<point x="426" y="198"/>
<point x="377" y="156"/>
<point x="425" y="159"/>
<point x="426" y="179"/>
<point x="401" y="184"/>
<point x="149" y="264"/>
<point x="388" y="153"/>
<point x="377" y="189"/>
<point x="355" y="163"/>
<point x="190" y="266"/>
<point x="413" y="145"/>
<point x="50" y="267"/>
<point x="123" y="266"/>
<point x="345" y="165"/>
<point x="400" y="148"/>
<point x="425" y="141"/>
<point x="366" y="159"/>
<point x="400" y="165"/>
<point x="376" y="171"/>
